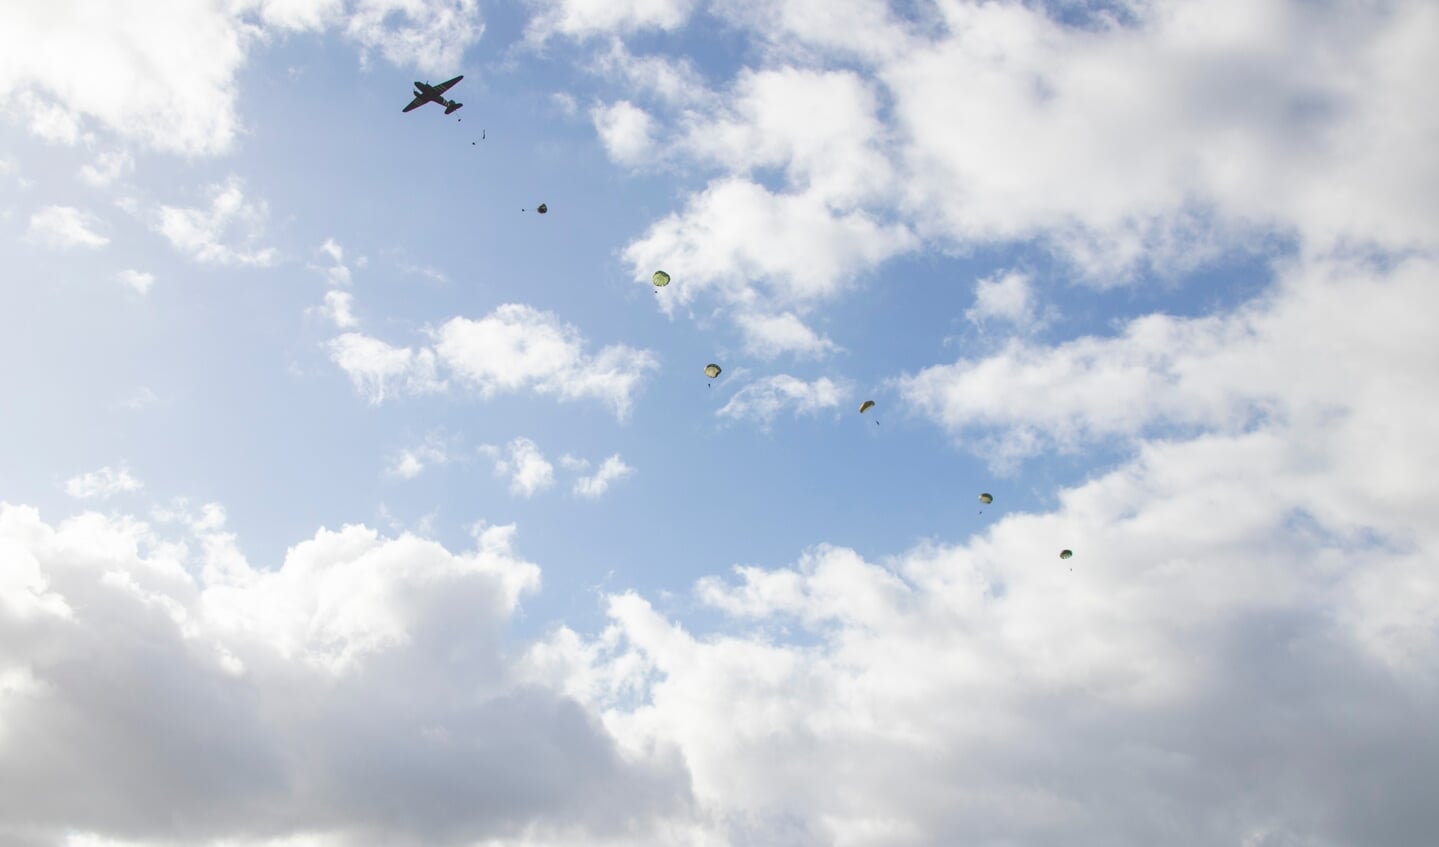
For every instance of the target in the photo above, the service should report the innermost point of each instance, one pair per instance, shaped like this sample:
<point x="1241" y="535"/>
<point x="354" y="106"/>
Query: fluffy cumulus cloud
<point x="769" y="335"/>
<point x="379" y="370"/>
<point x="515" y="348"/>
<point x="358" y="692"/>
<point x="409" y="462"/>
<point x="102" y="483"/>
<point x="1336" y="350"/>
<point x="139" y="281"/>
<point x="226" y="233"/>
<point x="338" y="308"/>
<point x="108" y="168"/>
<point x="1158" y="136"/>
<point x="526" y="466"/>
<point x="1168" y="689"/>
<point x="1007" y="297"/>
<point x="596" y="484"/>
<point x="737" y="230"/>
<point x="587" y="18"/>
<point x="430" y="34"/>
<point x="65" y="226"/>
<point x="625" y="130"/>
<point x="765" y="398"/>
<point x="165" y="77"/>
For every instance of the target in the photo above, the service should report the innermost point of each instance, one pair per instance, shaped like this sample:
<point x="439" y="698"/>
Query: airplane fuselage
<point x="426" y="93"/>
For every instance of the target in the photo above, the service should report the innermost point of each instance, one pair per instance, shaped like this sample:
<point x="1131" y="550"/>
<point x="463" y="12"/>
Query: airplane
<point x="426" y="93"/>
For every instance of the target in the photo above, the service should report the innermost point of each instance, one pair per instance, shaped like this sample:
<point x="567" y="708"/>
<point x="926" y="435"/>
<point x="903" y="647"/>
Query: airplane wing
<point x="416" y="103"/>
<point x="445" y="86"/>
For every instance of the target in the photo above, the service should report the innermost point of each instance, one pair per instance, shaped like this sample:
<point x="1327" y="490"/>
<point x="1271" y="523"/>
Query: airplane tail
<point x="451" y="106"/>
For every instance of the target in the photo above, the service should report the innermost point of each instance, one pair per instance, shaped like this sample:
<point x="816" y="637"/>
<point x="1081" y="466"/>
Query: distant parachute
<point x="866" y="406"/>
<point x="1065" y="554"/>
<point x="542" y="208"/>
<point x="712" y="370"/>
<point x="660" y="279"/>
<point x="986" y="498"/>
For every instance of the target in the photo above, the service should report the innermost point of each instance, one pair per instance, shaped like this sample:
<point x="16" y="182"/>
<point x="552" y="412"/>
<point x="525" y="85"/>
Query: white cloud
<point x="586" y="18"/>
<point x="1005" y="296"/>
<point x="409" y="462"/>
<point x="161" y="76"/>
<point x="122" y="649"/>
<point x="432" y="35"/>
<point x="338" y="308"/>
<point x="1223" y="373"/>
<point x="672" y="79"/>
<point x="141" y="281"/>
<point x="744" y="242"/>
<point x="598" y="483"/>
<point x="378" y="369"/>
<point x="518" y="347"/>
<point x="768" y="336"/>
<point x="338" y="273"/>
<point x="626" y="130"/>
<point x="826" y="173"/>
<point x="515" y="348"/>
<point x="107" y="168"/>
<point x="202" y="233"/>
<point x="427" y="272"/>
<point x="65" y="226"/>
<point x="165" y="78"/>
<point x="763" y="399"/>
<point x="1223" y="587"/>
<point x="48" y="120"/>
<point x="527" y="468"/>
<point x="103" y="483"/>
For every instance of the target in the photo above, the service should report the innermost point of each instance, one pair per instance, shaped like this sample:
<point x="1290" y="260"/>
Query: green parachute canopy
<point x="1065" y="554"/>
<point x="660" y="279"/>
<point x="542" y="208"/>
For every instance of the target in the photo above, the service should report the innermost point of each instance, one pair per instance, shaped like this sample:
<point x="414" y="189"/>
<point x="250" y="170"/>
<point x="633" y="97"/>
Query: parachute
<point x="866" y="406"/>
<point x="542" y="208"/>
<point x="660" y="279"/>
<point x="1065" y="554"/>
<point x="712" y="370"/>
<point x="986" y="498"/>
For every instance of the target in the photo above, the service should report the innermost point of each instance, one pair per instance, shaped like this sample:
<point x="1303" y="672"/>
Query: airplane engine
<point x="451" y="106"/>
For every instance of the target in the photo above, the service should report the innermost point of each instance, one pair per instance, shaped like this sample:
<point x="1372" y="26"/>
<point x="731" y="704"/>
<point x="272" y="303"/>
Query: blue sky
<point x="334" y="471"/>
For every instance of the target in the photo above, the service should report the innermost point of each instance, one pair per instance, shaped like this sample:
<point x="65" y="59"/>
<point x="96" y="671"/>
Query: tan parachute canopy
<point x="712" y="370"/>
<point x="866" y="406"/>
<point x="660" y="279"/>
<point x="986" y="497"/>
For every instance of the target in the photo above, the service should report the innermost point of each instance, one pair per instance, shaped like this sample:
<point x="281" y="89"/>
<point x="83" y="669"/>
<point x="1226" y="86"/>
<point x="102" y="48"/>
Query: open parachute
<point x="660" y="279"/>
<point x="866" y="406"/>
<point x="712" y="370"/>
<point x="986" y="498"/>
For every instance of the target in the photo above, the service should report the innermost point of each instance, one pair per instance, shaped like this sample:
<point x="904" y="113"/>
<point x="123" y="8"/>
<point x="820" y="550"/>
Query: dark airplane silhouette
<point x="426" y="93"/>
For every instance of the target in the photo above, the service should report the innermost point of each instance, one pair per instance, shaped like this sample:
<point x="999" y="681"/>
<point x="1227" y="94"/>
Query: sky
<point x="347" y="500"/>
